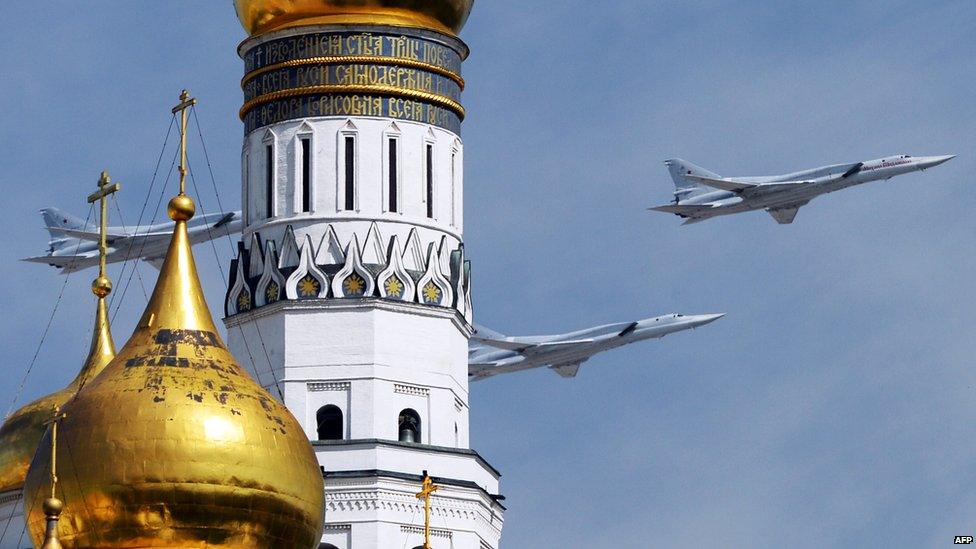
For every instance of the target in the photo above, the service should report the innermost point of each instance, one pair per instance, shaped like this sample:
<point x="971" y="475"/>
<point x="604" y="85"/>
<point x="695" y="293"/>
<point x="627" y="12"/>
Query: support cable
<point x="142" y="212"/>
<point x="142" y="246"/>
<point x="30" y="367"/>
<point x="223" y="278"/>
<point x="47" y="329"/>
<point x="135" y="264"/>
<point x="220" y="206"/>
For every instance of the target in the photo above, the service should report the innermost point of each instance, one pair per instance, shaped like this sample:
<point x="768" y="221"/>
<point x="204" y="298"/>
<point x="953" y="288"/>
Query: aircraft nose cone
<point x="701" y="320"/>
<point x="932" y="161"/>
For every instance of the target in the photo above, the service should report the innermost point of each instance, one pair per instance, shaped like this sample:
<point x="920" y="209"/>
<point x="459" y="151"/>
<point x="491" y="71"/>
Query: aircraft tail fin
<point x="684" y="186"/>
<point x="55" y="220"/>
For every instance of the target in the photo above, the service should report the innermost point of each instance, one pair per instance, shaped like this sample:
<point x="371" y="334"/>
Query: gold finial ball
<point x="102" y="286"/>
<point x="53" y="507"/>
<point x="181" y="208"/>
<point x="447" y="16"/>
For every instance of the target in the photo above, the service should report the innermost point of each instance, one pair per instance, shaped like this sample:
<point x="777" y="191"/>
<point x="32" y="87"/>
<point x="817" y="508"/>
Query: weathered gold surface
<point x="260" y="16"/>
<point x="174" y="445"/>
<point x="23" y="430"/>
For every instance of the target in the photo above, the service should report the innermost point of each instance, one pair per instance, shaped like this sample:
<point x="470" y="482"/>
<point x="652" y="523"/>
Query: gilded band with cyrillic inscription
<point x="352" y="104"/>
<point x="358" y="43"/>
<point x="352" y="74"/>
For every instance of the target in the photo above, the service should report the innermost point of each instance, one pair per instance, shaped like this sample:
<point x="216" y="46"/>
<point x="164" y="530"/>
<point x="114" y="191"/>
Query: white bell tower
<point x="351" y="294"/>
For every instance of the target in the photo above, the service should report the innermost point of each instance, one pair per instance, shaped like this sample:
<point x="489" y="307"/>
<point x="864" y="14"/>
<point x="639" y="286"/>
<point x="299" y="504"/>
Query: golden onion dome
<point x="174" y="444"/>
<point x="21" y="433"/>
<point x="260" y="16"/>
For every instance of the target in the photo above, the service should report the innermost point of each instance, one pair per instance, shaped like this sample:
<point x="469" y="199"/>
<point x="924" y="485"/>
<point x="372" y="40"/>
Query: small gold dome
<point x="260" y="16"/>
<point x="21" y="433"/>
<point x="175" y="445"/>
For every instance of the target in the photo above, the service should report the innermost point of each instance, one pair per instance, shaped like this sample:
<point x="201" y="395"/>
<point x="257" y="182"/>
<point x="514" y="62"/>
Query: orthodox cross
<point x="105" y="189"/>
<point x="185" y="103"/>
<point x="428" y="488"/>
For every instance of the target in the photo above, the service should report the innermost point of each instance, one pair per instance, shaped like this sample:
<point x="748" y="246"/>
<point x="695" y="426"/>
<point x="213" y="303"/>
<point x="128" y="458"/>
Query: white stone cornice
<point x="243" y="319"/>
<point x="319" y="386"/>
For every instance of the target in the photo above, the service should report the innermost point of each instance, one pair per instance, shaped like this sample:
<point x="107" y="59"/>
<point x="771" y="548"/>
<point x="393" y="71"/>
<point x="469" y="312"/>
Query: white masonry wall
<point x="370" y="357"/>
<point x="371" y="169"/>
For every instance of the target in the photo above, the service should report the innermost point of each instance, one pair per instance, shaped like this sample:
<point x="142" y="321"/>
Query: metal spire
<point x="52" y="505"/>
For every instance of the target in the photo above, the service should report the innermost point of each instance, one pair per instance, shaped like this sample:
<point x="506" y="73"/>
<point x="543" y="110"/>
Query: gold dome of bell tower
<point x="446" y="16"/>
<point x="174" y="444"/>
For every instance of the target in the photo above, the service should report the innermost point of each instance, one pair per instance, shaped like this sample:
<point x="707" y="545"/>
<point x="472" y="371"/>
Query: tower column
<point x="351" y="290"/>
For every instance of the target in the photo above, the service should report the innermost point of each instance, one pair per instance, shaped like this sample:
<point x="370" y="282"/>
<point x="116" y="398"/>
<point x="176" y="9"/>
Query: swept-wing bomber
<point x="700" y="194"/>
<point x="491" y="353"/>
<point x="74" y="244"/>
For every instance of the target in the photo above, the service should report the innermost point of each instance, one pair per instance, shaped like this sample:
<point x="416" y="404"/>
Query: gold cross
<point x="185" y="103"/>
<point x="53" y="422"/>
<point x="428" y="488"/>
<point x="105" y="189"/>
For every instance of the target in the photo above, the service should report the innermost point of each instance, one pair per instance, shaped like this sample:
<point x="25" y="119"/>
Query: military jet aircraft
<point x="491" y="353"/>
<point x="700" y="194"/>
<point x="74" y="244"/>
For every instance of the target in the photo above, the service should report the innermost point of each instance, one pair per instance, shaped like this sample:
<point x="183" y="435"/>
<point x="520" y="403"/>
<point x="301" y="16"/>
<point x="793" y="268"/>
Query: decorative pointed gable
<point x="413" y="255"/>
<point x="270" y="288"/>
<point x="444" y="255"/>
<point x="394" y="282"/>
<point x="330" y="251"/>
<point x="468" y="309"/>
<point x="289" y="250"/>
<point x="433" y="288"/>
<point x="255" y="264"/>
<point x="353" y="280"/>
<point x="239" y="299"/>
<point x="457" y="277"/>
<point x="307" y="281"/>
<point x="373" y="253"/>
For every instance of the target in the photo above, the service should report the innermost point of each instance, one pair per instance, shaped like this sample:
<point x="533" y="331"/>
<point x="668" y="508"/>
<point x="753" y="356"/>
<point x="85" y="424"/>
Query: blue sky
<point x="834" y="406"/>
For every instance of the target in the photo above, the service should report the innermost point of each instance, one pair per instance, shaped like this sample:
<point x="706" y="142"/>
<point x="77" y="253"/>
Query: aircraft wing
<point x="224" y="220"/>
<point x="748" y="189"/>
<point x="68" y="263"/>
<point x="723" y="184"/>
<point x="688" y="210"/>
<point x="85" y="235"/>
<point x="784" y="215"/>
<point x="481" y="370"/>
<point x="156" y="262"/>
<point x="551" y="346"/>
<point x="500" y="343"/>
<point x="566" y="369"/>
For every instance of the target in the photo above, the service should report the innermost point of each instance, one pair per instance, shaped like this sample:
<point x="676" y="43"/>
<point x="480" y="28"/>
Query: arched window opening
<point x="269" y="158"/>
<point x="350" y="172"/>
<point x="306" y="146"/>
<point x="429" y="175"/>
<point x="393" y="185"/>
<point x="329" y="420"/>
<point x="409" y="423"/>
